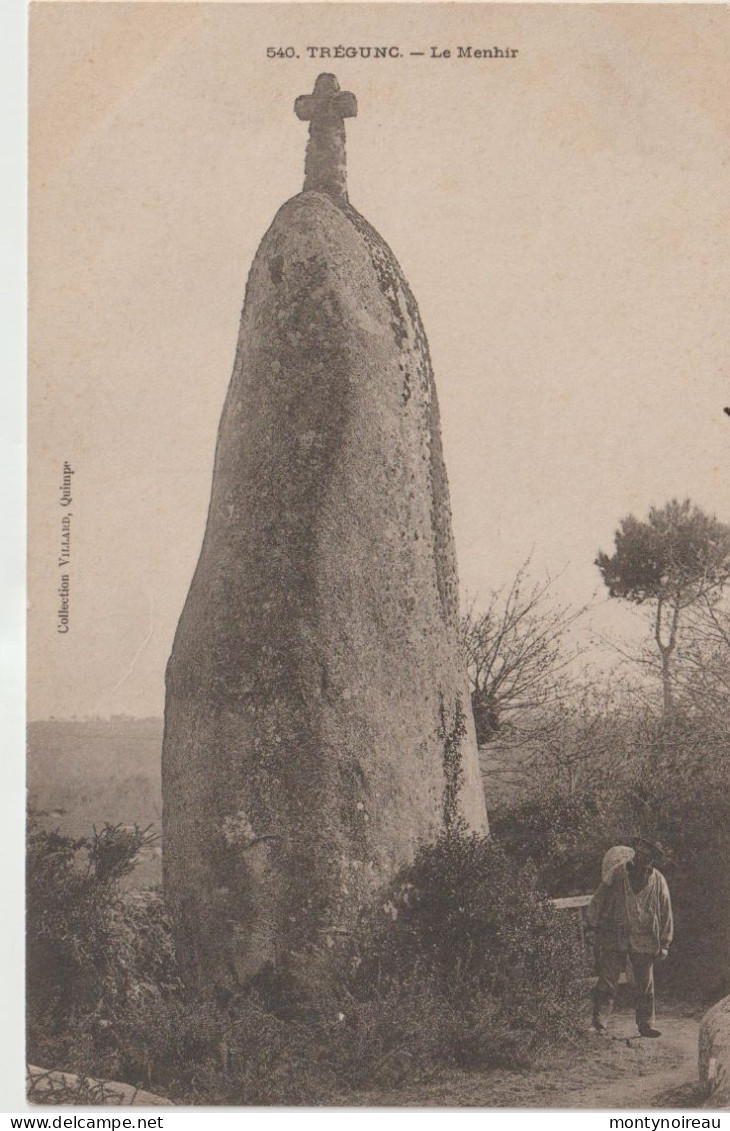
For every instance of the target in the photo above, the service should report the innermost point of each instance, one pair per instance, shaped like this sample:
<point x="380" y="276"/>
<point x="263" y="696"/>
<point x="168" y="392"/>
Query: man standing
<point x="631" y="913"/>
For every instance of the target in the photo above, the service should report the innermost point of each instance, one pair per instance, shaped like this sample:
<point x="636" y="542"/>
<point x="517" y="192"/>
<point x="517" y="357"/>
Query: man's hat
<point x="653" y="845"/>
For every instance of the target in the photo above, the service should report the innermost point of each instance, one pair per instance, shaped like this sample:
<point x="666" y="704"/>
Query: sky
<point x="561" y="217"/>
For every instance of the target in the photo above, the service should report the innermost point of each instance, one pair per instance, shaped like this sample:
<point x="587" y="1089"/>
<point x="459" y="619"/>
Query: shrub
<point x="473" y="922"/>
<point x="91" y="951"/>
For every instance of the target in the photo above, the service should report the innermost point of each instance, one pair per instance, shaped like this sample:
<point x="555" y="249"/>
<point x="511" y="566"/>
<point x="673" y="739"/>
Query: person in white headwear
<point x="631" y="913"/>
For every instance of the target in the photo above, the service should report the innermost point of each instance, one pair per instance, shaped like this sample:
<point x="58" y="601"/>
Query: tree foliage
<point x="678" y="559"/>
<point x="679" y="555"/>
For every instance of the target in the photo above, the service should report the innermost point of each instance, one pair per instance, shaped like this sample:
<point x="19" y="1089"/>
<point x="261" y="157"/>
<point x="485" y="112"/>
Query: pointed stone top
<point x="325" y="167"/>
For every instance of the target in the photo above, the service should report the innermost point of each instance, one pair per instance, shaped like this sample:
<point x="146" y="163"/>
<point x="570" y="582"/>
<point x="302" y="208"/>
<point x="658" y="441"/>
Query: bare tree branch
<point x="516" y="652"/>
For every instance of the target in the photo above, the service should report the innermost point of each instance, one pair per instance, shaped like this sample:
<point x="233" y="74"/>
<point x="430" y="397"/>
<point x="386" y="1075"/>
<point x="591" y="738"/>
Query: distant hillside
<point x="85" y="772"/>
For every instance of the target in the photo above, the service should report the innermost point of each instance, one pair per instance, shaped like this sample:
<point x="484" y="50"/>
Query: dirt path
<point x="653" y="1073"/>
<point x="618" y="1072"/>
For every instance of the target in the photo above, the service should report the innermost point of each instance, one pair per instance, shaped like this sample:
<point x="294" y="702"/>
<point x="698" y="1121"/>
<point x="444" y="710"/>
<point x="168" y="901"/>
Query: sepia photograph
<point x="378" y="744"/>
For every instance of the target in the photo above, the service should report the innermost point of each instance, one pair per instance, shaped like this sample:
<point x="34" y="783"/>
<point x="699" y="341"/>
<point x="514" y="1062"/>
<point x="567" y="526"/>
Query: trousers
<point x="610" y="963"/>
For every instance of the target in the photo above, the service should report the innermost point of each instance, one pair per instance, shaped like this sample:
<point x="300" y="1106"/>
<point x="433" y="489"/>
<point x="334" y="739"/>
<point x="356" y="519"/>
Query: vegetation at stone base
<point x="462" y="963"/>
<point x="477" y="925"/>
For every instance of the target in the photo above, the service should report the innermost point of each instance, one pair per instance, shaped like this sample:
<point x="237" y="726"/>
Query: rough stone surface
<point x="48" y="1087"/>
<point x="714" y="1054"/>
<point x="314" y="688"/>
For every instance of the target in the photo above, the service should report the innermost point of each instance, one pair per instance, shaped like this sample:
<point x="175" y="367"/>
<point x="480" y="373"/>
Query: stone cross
<point x="325" y="168"/>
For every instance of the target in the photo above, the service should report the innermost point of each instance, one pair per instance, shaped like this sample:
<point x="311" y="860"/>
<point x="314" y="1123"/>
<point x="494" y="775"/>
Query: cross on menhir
<point x="325" y="167"/>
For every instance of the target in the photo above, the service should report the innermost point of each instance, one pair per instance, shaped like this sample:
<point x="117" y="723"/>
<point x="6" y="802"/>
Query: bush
<point x="91" y="951"/>
<point x="473" y="922"/>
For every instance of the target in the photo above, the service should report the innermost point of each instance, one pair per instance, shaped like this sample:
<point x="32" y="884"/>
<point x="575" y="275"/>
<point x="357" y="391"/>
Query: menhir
<point x="317" y="722"/>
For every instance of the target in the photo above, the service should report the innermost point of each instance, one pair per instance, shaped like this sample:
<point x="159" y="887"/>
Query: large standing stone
<point x="317" y="723"/>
